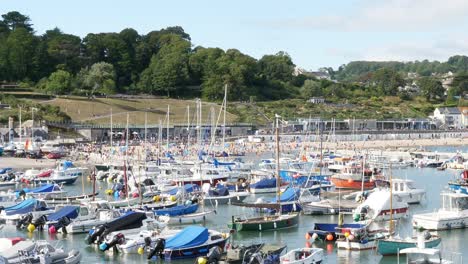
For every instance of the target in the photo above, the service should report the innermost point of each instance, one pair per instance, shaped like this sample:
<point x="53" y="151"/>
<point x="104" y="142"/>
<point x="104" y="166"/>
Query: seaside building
<point x="448" y="117"/>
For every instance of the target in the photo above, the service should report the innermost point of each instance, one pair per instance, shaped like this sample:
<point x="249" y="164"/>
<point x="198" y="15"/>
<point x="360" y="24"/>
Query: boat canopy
<point x="69" y="211"/>
<point x="264" y="183"/>
<point x="289" y="195"/>
<point x="5" y="170"/>
<point x="188" y="188"/>
<point x="177" y="210"/>
<point x="67" y="164"/>
<point x="191" y="236"/>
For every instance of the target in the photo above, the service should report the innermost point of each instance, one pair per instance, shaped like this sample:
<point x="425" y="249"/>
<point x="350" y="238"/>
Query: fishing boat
<point x="191" y="242"/>
<point x="391" y="246"/>
<point x="460" y="184"/>
<point x="303" y="256"/>
<point x="270" y="222"/>
<point x="353" y="177"/>
<point x="406" y="191"/>
<point x="452" y="215"/>
<point x="65" y="173"/>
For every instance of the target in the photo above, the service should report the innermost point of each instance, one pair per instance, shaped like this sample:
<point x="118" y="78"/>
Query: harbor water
<point x="432" y="180"/>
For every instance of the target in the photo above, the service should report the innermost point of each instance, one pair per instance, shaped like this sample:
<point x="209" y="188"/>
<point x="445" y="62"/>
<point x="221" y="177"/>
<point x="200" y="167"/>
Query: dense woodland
<point x="164" y="62"/>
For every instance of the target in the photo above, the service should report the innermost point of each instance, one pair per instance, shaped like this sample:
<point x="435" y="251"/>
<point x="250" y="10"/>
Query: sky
<point x="315" y="33"/>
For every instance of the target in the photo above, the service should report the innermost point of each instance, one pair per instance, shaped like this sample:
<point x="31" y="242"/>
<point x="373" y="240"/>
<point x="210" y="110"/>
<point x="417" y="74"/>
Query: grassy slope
<point x="97" y="111"/>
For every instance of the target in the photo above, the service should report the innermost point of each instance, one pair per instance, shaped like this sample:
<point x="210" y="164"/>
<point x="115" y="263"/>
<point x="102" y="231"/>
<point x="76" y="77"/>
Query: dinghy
<point x="303" y="256"/>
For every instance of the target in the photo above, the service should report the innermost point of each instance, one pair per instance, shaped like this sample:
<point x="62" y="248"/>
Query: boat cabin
<point x="424" y="255"/>
<point x="454" y="202"/>
<point x="400" y="185"/>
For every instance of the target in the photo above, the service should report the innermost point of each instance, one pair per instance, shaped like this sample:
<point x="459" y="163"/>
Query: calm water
<point x="432" y="180"/>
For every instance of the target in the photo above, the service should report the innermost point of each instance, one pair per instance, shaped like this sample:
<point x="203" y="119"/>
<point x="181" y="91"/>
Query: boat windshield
<point x="455" y="203"/>
<point x="461" y="203"/>
<point x="410" y="185"/>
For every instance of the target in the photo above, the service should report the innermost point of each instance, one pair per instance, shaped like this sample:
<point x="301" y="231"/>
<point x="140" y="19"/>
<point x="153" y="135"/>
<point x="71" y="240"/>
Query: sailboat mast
<point x="111" y="134"/>
<point x="20" y="127"/>
<point x="188" y="124"/>
<point x="167" y="139"/>
<point x="391" y="200"/>
<point x="224" y="114"/>
<point x="278" y="180"/>
<point x="363" y="174"/>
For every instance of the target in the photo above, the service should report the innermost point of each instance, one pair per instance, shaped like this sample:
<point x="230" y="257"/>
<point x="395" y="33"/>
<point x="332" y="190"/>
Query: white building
<point x="464" y="115"/>
<point x="449" y="117"/>
<point x="316" y="100"/>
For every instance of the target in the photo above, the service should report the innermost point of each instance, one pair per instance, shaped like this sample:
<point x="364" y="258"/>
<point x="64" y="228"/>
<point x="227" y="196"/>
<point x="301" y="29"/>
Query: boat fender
<point x="158" y="249"/>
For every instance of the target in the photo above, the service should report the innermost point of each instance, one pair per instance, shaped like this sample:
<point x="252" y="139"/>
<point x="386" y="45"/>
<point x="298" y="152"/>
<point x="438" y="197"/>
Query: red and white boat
<point x="377" y="207"/>
<point x="351" y="177"/>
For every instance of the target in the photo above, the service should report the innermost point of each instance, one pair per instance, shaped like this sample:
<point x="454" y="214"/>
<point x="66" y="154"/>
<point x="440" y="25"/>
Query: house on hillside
<point x="316" y="100"/>
<point x="448" y="117"/>
<point x="464" y="116"/>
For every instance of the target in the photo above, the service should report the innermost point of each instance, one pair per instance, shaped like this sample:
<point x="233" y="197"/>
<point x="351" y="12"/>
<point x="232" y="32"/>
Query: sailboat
<point x="271" y="222"/>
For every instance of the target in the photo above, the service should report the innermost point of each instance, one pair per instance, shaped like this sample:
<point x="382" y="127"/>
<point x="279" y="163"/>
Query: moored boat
<point x="391" y="246"/>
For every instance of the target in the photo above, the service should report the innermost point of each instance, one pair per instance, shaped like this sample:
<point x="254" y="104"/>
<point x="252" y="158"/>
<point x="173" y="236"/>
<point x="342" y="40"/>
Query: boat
<point x="329" y="207"/>
<point x="353" y="177"/>
<point x="95" y="213"/>
<point x="417" y="255"/>
<point x="178" y="210"/>
<point x="65" y="173"/>
<point x="452" y="215"/>
<point x="331" y="231"/>
<point x="193" y="218"/>
<point x="191" y="242"/>
<point x="39" y="252"/>
<point x="54" y="221"/>
<point x="221" y="195"/>
<point x="30" y="206"/>
<point x="460" y="184"/>
<point x="264" y="185"/>
<point x="362" y="238"/>
<point x="253" y="253"/>
<point x="127" y="221"/>
<point x="132" y="244"/>
<point x="391" y="246"/>
<point x="407" y="192"/>
<point x="45" y="191"/>
<point x="303" y="256"/>
<point x="381" y="205"/>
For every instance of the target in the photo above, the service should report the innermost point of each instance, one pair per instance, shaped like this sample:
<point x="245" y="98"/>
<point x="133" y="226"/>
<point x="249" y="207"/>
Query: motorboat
<point x="191" y="242"/>
<point x="353" y="177"/>
<point x="221" y="195"/>
<point x="144" y="239"/>
<point x="406" y="190"/>
<point x="303" y="256"/>
<point x="380" y="205"/>
<point x="39" y="252"/>
<point x="417" y="255"/>
<point x="94" y="213"/>
<point x="391" y="245"/>
<point x="34" y="207"/>
<point x="452" y="215"/>
<point x="65" y="173"/>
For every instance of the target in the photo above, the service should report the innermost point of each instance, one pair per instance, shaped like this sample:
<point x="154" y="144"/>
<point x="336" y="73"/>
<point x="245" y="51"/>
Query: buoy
<point x="329" y="237"/>
<point x="31" y="228"/>
<point x="173" y="198"/>
<point x="307" y="236"/>
<point x="314" y="236"/>
<point x="109" y="191"/>
<point x="156" y="198"/>
<point x="308" y="245"/>
<point x="329" y="248"/>
<point x="350" y="181"/>
<point x="52" y="229"/>
<point x="141" y="250"/>
<point x="350" y="237"/>
<point x="201" y="260"/>
<point x="346" y="234"/>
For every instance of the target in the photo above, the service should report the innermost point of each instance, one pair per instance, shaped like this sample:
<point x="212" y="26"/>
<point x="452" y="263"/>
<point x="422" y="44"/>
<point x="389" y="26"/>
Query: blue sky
<point x="315" y="33"/>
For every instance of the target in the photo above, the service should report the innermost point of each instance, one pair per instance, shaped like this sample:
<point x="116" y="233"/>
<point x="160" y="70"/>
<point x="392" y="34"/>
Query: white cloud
<point x="388" y="15"/>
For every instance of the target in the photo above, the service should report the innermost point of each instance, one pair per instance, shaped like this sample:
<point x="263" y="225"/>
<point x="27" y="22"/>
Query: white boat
<point x="377" y="207"/>
<point x="303" y="256"/>
<point x="217" y="196"/>
<point x="144" y="239"/>
<point x="97" y="213"/>
<point x="191" y="218"/>
<point x="128" y="201"/>
<point x="39" y="252"/>
<point x="452" y="215"/>
<point x="406" y="190"/>
<point x="34" y="207"/>
<point x="65" y="173"/>
<point x="425" y="256"/>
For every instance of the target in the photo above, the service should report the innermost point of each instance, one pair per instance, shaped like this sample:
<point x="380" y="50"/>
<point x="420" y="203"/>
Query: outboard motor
<point x="194" y="199"/>
<point x="63" y="223"/>
<point x="94" y="234"/>
<point x="158" y="248"/>
<point x="24" y="221"/>
<point x="2" y="208"/>
<point x="40" y="222"/>
<point x="117" y="239"/>
<point x="214" y="255"/>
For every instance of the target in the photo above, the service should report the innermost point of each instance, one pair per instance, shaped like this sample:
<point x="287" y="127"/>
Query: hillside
<point x="97" y="111"/>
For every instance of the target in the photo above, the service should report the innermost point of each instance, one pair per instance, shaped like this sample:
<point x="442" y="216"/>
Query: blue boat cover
<point x="332" y="227"/>
<point x="69" y="211"/>
<point x="189" y="237"/>
<point x="43" y="188"/>
<point x="67" y="164"/>
<point x="177" y="210"/>
<point x="187" y="187"/>
<point x="24" y="207"/>
<point x="291" y="194"/>
<point x="264" y="183"/>
<point x="4" y="170"/>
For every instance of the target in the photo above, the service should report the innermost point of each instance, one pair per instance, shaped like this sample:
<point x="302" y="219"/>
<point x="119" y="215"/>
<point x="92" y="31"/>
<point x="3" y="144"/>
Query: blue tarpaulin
<point x="5" y="170"/>
<point x="24" y="207"/>
<point x="67" y="164"/>
<point x="264" y="183"/>
<point x="191" y="236"/>
<point x="178" y="210"/>
<point x="291" y="194"/>
<point x="69" y="211"/>
<point x="188" y="188"/>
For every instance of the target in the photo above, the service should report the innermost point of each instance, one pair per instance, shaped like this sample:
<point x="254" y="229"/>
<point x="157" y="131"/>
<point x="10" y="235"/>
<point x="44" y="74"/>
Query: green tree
<point x="311" y="88"/>
<point x="431" y="88"/>
<point x="387" y="81"/>
<point x="168" y="68"/>
<point x="59" y="82"/>
<point x="15" y="19"/>
<point x="100" y="78"/>
<point x="21" y="46"/>
<point x="277" y="67"/>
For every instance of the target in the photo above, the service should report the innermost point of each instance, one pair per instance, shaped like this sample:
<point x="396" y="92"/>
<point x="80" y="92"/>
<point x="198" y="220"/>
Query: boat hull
<point x="438" y="221"/>
<point x="286" y="221"/>
<point x="386" y="247"/>
<point x="188" y="253"/>
<point x="355" y="185"/>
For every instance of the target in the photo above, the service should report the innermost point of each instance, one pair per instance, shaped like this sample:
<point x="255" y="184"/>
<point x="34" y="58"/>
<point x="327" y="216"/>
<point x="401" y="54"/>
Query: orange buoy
<point x="329" y="237"/>
<point x="307" y="236"/>
<point x="308" y="245"/>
